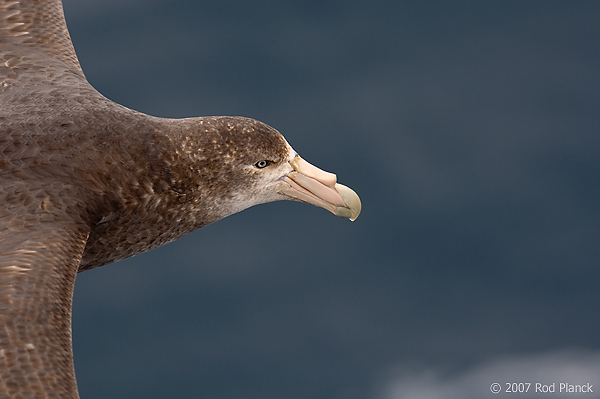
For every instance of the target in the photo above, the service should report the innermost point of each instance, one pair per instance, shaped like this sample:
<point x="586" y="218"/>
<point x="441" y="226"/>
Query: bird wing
<point x="39" y="25"/>
<point x="39" y="258"/>
<point x="40" y="75"/>
<point x="41" y="239"/>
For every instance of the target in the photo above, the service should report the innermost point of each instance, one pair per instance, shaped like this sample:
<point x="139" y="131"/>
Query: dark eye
<point x="262" y="164"/>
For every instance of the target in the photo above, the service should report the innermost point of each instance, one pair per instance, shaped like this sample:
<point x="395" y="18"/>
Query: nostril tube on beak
<point x="301" y="166"/>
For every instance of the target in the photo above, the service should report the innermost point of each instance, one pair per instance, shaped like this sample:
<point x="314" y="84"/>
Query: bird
<point x="85" y="182"/>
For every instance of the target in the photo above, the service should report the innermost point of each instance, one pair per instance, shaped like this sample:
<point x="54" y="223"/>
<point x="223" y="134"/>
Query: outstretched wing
<point x="41" y="239"/>
<point x="39" y="258"/>
<point x="40" y="75"/>
<point x="38" y="24"/>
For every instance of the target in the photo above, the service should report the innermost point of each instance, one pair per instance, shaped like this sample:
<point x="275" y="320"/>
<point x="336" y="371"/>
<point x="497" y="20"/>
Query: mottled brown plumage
<point x="85" y="182"/>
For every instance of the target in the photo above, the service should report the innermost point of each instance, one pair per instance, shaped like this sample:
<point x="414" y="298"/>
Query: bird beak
<point x="307" y="183"/>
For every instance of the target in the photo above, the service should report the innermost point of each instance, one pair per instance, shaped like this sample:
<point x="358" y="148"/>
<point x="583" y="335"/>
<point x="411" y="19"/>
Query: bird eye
<point x="262" y="164"/>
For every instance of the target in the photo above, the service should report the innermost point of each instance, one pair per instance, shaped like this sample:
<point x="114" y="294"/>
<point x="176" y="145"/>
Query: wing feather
<point x="38" y="24"/>
<point x="37" y="275"/>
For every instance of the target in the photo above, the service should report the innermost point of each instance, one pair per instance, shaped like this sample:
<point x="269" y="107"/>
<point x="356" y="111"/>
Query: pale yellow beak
<point x="310" y="184"/>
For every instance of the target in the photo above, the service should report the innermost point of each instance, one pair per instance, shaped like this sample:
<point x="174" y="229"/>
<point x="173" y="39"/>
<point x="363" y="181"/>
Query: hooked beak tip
<point x="352" y="201"/>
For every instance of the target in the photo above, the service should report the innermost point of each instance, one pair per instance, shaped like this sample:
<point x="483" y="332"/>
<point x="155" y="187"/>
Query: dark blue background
<point x="471" y="131"/>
